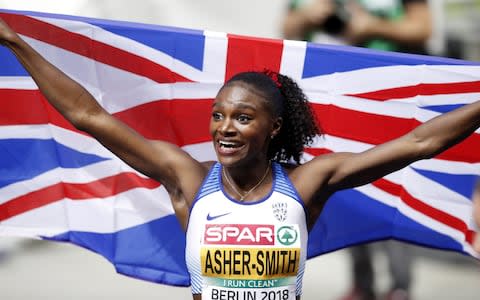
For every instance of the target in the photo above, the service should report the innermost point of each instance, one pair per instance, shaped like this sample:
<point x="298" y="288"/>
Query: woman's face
<point x="241" y="125"/>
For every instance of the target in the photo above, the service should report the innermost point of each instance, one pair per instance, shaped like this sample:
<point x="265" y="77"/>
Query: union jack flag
<point x="58" y="183"/>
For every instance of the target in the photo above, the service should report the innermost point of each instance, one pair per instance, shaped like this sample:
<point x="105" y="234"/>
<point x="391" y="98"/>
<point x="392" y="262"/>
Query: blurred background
<point x="31" y="269"/>
<point x="456" y="22"/>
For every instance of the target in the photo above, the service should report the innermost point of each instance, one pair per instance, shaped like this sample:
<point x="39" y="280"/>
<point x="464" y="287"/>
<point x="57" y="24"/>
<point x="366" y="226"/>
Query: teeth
<point x="227" y="144"/>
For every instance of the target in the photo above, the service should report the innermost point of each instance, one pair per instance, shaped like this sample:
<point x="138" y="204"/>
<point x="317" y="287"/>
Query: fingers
<point x="318" y="11"/>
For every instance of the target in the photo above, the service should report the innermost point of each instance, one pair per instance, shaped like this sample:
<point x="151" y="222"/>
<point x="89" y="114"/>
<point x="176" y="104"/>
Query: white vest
<point x="243" y="250"/>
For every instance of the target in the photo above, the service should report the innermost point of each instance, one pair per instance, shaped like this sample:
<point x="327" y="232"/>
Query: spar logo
<point x="239" y="234"/>
<point x="287" y="235"/>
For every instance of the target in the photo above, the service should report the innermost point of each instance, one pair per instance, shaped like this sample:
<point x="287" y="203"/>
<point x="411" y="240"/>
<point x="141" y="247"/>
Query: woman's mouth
<point x="228" y="147"/>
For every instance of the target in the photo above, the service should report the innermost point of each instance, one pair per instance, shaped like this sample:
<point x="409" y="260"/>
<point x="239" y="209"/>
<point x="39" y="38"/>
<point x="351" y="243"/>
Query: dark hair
<point x="288" y="101"/>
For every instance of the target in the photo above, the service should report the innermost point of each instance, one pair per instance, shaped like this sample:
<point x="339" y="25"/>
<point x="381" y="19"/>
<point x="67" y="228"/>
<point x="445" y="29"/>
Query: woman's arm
<point x="345" y="170"/>
<point x="167" y="163"/>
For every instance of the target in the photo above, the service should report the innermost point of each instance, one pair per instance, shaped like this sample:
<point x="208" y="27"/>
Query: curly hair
<point x="286" y="100"/>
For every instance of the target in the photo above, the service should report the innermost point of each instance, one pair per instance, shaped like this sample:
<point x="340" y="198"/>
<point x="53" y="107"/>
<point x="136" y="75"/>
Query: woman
<point x="246" y="216"/>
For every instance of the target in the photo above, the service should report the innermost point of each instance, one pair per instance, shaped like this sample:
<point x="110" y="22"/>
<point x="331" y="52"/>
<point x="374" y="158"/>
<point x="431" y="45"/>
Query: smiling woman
<point x="269" y="94"/>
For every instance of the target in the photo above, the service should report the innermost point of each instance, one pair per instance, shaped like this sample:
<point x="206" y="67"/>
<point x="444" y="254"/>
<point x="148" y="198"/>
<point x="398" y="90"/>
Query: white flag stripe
<point x="201" y="151"/>
<point x="214" y="58"/>
<point x="17" y="82"/>
<point x="293" y="56"/>
<point x="66" y="137"/>
<point x="435" y="225"/>
<point x="413" y="214"/>
<point x="393" y="109"/>
<point x="449" y="167"/>
<point x="128" y="209"/>
<point x="87" y="174"/>
<point x="326" y="97"/>
<point x="107" y="215"/>
<point x="20" y="230"/>
<point x="380" y="78"/>
<point x="26" y="132"/>
<point x="459" y="209"/>
<point x="439" y="100"/>
<point x="436" y="195"/>
<point x="378" y="195"/>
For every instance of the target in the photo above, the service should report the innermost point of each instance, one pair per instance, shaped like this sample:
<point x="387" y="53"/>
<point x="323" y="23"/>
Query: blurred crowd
<point x="443" y="28"/>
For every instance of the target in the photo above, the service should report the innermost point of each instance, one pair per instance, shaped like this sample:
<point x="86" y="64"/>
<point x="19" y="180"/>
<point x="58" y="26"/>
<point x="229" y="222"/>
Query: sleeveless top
<point x="247" y="250"/>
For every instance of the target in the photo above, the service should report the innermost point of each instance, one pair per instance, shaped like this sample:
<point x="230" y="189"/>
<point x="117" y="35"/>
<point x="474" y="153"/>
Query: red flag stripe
<point x="179" y="121"/>
<point x="374" y="129"/>
<point x="185" y="122"/>
<point x="252" y="54"/>
<point x="102" y="188"/>
<point x="182" y="122"/>
<point x="90" y="48"/>
<point x="427" y="89"/>
<point x="29" y="107"/>
<point x="424" y="208"/>
<point x="317" y="151"/>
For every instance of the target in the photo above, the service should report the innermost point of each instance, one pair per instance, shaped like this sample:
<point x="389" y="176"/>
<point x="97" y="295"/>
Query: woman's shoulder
<point x="323" y="159"/>
<point x="208" y="164"/>
<point x="288" y="166"/>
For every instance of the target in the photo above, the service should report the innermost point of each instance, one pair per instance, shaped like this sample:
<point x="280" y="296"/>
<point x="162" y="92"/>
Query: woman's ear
<point x="277" y="125"/>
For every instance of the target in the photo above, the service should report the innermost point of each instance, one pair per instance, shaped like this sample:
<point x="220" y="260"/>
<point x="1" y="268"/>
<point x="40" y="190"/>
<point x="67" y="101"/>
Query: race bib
<point x="250" y="261"/>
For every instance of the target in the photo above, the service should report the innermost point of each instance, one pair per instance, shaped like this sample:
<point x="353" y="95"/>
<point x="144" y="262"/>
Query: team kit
<point x="247" y="250"/>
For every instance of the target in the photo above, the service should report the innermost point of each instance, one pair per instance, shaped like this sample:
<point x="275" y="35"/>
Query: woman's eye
<point x="216" y="116"/>
<point x="244" y="118"/>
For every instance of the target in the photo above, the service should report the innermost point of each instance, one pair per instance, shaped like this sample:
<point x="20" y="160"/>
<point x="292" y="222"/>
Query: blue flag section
<point x="59" y="184"/>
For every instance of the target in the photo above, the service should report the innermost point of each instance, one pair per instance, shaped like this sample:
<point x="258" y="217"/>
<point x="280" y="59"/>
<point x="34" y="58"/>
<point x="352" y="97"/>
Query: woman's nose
<point x="227" y="127"/>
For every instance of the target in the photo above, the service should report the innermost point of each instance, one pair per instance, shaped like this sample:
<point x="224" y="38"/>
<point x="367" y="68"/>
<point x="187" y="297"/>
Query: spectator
<point x="402" y="26"/>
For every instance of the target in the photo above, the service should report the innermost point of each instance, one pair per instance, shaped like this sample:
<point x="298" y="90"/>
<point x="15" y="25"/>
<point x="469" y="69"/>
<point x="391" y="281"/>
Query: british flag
<point x="58" y="183"/>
